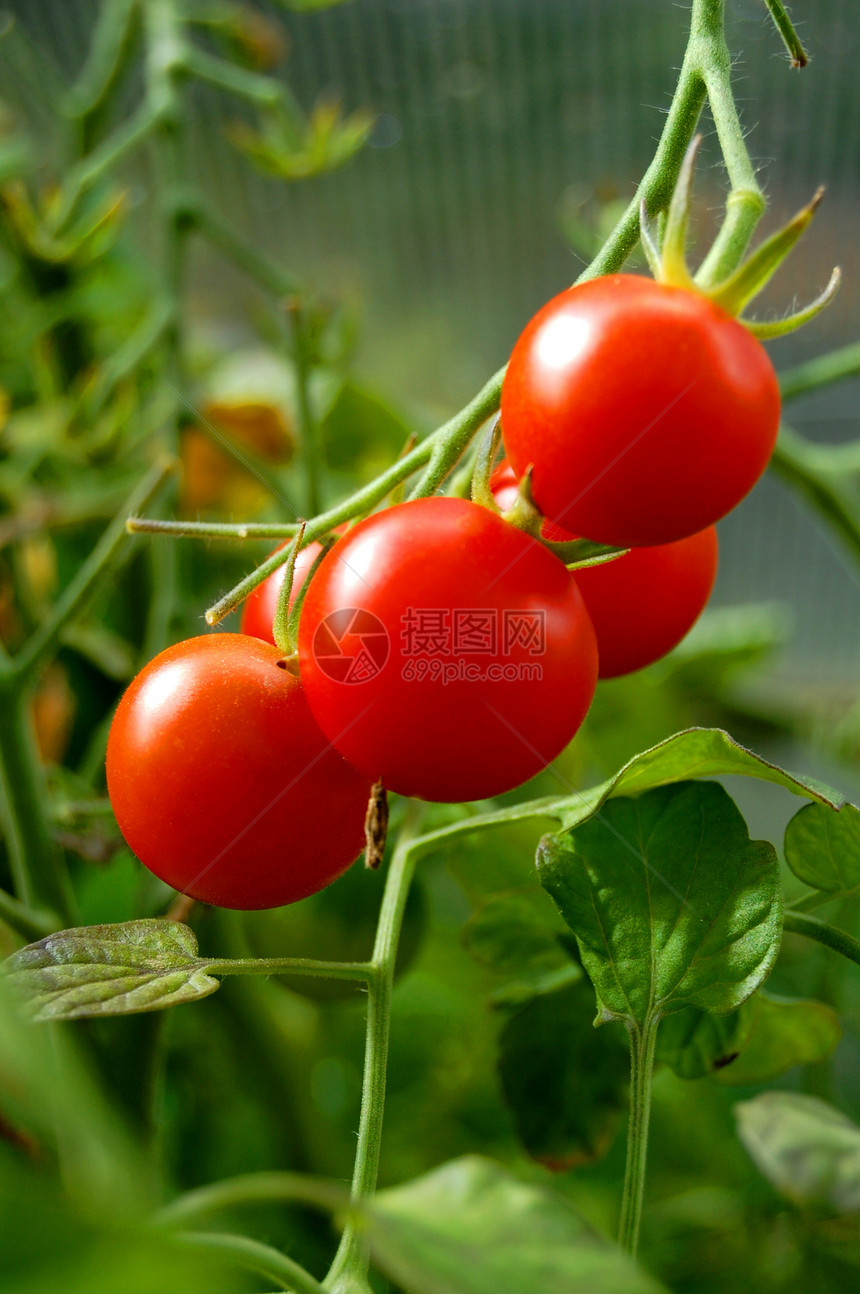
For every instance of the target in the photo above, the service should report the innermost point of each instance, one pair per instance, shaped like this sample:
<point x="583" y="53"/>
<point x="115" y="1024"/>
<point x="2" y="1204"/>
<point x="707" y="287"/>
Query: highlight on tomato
<point x="643" y="603"/>
<point x="223" y="784"/>
<point x="445" y="652"/>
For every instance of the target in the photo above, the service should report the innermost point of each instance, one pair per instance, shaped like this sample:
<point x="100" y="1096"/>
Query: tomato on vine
<point x="643" y="603"/>
<point x="221" y="781"/>
<point x="645" y="411"/>
<point x="445" y="652"/>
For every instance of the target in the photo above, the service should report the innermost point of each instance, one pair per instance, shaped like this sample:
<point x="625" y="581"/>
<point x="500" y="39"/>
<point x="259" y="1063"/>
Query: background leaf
<point x="110" y="970"/>
<point x="470" y="1227"/>
<point x="695" y="1043"/>
<point x="565" y="1083"/>
<point x="782" y="1033"/>
<point x="805" y="1147"/>
<point x="822" y="848"/>
<point x="671" y="902"/>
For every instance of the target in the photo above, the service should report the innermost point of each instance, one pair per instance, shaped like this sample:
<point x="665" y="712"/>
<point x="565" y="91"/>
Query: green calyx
<point x="668" y="260"/>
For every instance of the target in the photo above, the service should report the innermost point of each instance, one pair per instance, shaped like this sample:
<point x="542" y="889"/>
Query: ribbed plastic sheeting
<point x="495" y="118"/>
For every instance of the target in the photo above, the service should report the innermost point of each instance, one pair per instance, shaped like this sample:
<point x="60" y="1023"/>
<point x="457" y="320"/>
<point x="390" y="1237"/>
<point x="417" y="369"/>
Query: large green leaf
<point x="808" y="1149"/>
<point x="671" y="902"/>
<point x="110" y="970"/>
<point x="471" y="1227"/>
<point x="565" y="1083"/>
<point x="697" y="752"/>
<point x="782" y="1033"/>
<point x="822" y="848"/>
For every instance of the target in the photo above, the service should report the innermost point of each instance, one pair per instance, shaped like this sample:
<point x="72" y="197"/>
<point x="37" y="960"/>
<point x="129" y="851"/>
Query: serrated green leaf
<point x="695" y="1043"/>
<point x="697" y="752"/>
<point x="806" y="1148"/>
<point x="671" y="902"/>
<point x="822" y="848"/>
<point x="471" y="1227"/>
<point x="551" y="1048"/>
<point x="110" y="970"/>
<point x="783" y="1032"/>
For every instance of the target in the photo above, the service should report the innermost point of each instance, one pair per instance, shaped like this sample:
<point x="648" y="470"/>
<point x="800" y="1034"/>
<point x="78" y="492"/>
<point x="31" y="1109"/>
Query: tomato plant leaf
<point x="471" y="1227"/>
<point x="696" y="752"/>
<point x="822" y="848"/>
<point x="695" y="1043"/>
<point x="671" y="902"/>
<point x="806" y="1148"/>
<point x="550" y="1047"/>
<point x="782" y="1033"/>
<point x="110" y="970"/>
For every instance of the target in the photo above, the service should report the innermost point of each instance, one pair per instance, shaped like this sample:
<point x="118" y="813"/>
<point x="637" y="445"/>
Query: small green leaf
<point x="806" y="1148"/>
<point x="782" y="1033"/>
<point x="551" y="1048"/>
<point x="696" y="752"/>
<point x="110" y="970"/>
<point x="695" y="1043"/>
<point x="822" y="848"/>
<point x="671" y="902"/>
<point x="471" y="1227"/>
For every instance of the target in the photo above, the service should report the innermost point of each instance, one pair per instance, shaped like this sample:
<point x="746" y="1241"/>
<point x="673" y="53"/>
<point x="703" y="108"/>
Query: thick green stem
<point x="642" y="1047"/>
<point x="840" y="941"/>
<point x="821" y="371"/>
<point x="352" y="1260"/>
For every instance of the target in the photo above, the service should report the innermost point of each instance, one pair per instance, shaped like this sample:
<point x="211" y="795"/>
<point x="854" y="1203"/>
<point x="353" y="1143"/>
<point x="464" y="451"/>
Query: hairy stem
<point x="351" y="1261"/>
<point x="254" y="1256"/>
<point x="642" y="1046"/>
<point x="800" y="923"/>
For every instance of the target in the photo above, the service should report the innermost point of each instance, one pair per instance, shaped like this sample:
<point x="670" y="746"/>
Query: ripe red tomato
<point x="445" y="652"/>
<point x="221" y="781"/>
<point x="641" y="604"/>
<point x="258" y="612"/>
<point x="645" y="411"/>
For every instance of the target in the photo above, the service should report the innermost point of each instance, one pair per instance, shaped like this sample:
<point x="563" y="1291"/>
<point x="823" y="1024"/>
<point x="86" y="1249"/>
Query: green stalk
<point x="839" y="941"/>
<point x="349" y="1269"/>
<point x="785" y="27"/>
<point x="35" y="860"/>
<point x="308" y="430"/>
<point x="642" y="1047"/>
<point x="360" y="972"/>
<point x="252" y="1255"/>
<point x="821" y="371"/>
<point x="251" y="1188"/>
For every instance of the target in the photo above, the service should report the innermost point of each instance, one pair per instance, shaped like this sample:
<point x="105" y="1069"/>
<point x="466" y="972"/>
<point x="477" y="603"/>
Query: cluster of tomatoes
<point x="443" y="651"/>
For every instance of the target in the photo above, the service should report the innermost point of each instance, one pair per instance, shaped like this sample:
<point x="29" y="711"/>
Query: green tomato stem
<point x="800" y="923"/>
<point x="820" y="476"/>
<point x="251" y="1188"/>
<point x="252" y="1255"/>
<point x="281" y="624"/>
<point x="308" y="430"/>
<point x="361" y="972"/>
<point x="26" y="921"/>
<point x="642" y="1048"/>
<point x="352" y="1260"/>
<point x="816" y="373"/>
<point x="104" y="60"/>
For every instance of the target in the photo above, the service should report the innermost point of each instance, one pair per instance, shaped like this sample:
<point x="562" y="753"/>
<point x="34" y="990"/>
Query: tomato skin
<point x="221" y="781"/>
<point x="448" y="738"/>
<point x="646" y="412"/>
<point x="258" y="611"/>
<point x="641" y="604"/>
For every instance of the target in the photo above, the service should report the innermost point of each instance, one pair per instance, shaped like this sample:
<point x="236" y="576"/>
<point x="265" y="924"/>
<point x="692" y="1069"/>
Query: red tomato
<point x="645" y="411"/>
<point x="258" y="612"/>
<point x="221" y="781"/>
<point x="642" y="604"/>
<point x="445" y="652"/>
